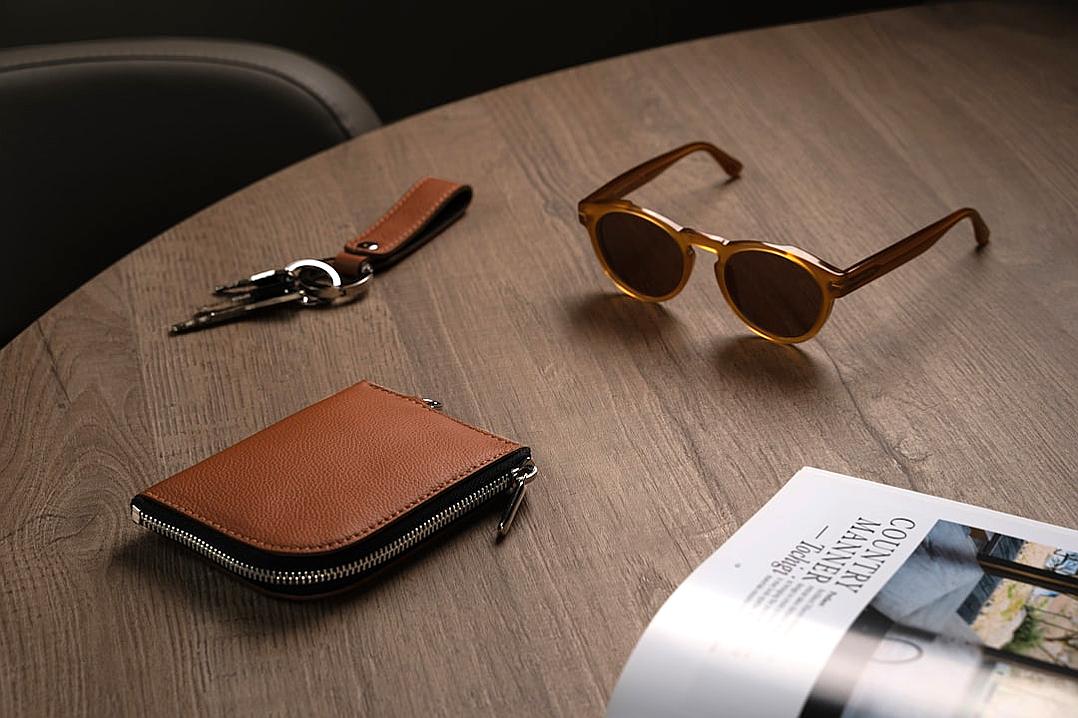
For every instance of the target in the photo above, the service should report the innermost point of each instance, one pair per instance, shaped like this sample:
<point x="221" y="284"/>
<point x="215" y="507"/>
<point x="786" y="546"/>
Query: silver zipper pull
<point x="521" y="477"/>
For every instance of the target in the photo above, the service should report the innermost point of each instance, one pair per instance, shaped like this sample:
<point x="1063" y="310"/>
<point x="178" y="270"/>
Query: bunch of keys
<point x="305" y="282"/>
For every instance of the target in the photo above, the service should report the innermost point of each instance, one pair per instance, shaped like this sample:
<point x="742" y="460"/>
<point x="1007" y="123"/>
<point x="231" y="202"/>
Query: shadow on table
<point x="620" y="317"/>
<point x="753" y="358"/>
<point x="645" y="327"/>
<point x="173" y="578"/>
<point x="176" y="574"/>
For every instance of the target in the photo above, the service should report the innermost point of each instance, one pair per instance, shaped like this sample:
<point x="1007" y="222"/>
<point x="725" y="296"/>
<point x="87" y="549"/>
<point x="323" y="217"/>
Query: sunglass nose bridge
<point x="707" y="242"/>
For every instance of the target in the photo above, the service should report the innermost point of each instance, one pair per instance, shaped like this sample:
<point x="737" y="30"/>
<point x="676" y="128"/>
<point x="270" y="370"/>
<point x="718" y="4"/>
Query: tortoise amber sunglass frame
<point x="608" y="206"/>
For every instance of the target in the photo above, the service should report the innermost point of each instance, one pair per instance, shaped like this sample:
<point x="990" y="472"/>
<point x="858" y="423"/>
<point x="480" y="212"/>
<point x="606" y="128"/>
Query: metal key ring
<point x="337" y="289"/>
<point x="333" y="274"/>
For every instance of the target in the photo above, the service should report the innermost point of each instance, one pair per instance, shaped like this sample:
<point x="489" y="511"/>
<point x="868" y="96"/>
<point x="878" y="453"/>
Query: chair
<point x="104" y="145"/>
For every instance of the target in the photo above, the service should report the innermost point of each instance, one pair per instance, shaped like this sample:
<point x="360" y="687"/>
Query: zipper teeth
<point x="305" y="578"/>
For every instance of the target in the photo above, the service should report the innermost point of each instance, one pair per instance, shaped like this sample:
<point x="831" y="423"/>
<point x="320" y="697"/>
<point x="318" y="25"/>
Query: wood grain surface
<point x="658" y="429"/>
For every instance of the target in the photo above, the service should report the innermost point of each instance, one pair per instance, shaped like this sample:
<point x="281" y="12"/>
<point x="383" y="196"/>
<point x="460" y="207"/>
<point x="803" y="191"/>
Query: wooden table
<point x="658" y="429"/>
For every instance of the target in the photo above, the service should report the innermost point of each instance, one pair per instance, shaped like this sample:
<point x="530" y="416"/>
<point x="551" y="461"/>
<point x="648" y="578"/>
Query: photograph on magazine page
<point x="974" y="623"/>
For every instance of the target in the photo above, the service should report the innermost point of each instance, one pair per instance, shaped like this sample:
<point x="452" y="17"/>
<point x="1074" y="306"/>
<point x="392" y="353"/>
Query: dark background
<point x="409" y="56"/>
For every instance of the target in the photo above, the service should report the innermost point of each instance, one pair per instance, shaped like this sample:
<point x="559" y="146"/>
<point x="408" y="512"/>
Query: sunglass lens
<point x="776" y="294"/>
<point x="641" y="254"/>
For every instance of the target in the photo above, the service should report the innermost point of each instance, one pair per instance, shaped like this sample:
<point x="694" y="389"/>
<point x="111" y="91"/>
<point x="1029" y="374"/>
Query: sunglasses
<point x="780" y="292"/>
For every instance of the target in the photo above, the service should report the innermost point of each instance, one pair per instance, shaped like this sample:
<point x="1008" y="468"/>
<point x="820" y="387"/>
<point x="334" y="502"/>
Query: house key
<point x="308" y="282"/>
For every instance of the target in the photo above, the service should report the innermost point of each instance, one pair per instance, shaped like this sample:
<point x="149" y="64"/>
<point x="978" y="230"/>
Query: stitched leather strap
<point x="427" y="208"/>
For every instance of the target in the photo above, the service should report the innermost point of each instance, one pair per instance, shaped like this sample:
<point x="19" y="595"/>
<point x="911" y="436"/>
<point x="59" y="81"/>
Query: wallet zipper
<point x="516" y="480"/>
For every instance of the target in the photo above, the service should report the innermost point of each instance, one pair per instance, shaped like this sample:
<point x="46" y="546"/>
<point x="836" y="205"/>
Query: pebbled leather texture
<point x="428" y="207"/>
<point x="331" y="474"/>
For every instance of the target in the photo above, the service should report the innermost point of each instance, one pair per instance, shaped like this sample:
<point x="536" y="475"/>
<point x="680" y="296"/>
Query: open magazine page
<point x="843" y="597"/>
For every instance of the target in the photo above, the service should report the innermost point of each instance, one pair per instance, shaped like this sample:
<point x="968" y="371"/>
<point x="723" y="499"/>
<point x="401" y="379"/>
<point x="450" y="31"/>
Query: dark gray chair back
<point x="104" y="145"/>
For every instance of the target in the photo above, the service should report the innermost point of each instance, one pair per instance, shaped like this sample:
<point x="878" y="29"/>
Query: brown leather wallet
<point x="325" y="498"/>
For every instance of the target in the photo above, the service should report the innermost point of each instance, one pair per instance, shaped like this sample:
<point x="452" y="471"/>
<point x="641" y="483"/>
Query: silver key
<point x="308" y="282"/>
<point x="236" y="308"/>
<point x="261" y="280"/>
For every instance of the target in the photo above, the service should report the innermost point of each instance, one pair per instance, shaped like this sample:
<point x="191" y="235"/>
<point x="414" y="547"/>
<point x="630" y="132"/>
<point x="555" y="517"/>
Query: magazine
<point x="843" y="597"/>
